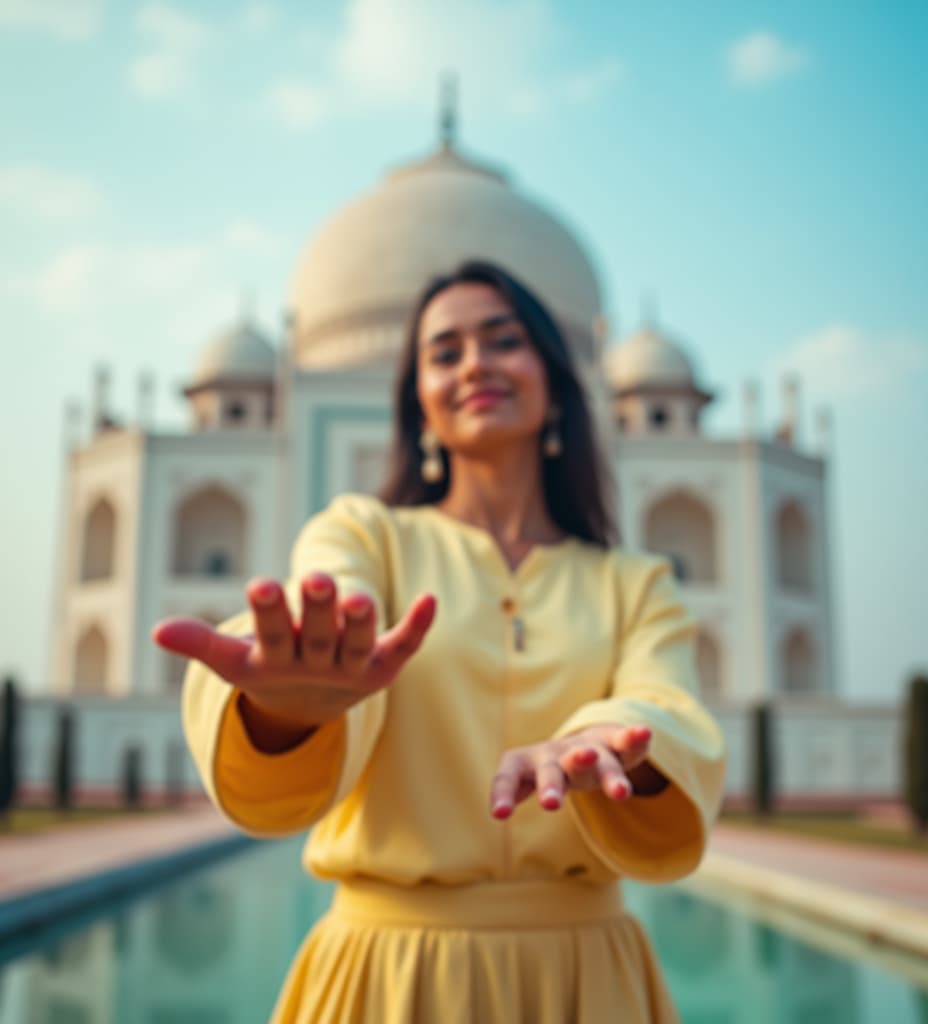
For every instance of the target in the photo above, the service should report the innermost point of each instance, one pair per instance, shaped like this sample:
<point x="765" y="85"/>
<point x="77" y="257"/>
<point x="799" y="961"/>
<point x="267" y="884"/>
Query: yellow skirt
<point x="493" y="953"/>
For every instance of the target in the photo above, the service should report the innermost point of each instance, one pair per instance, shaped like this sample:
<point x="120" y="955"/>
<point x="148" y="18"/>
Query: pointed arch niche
<point x="794" y="547"/>
<point x="210" y="527"/>
<point x="682" y="527"/>
<point x="798" y="662"/>
<point x="709" y="665"/>
<point x="91" y="661"/>
<point x="98" y="542"/>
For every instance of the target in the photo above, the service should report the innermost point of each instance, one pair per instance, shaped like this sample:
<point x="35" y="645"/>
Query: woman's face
<point x="480" y="380"/>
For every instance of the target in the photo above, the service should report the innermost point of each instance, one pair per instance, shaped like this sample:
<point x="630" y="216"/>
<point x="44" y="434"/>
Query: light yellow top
<point x="399" y="786"/>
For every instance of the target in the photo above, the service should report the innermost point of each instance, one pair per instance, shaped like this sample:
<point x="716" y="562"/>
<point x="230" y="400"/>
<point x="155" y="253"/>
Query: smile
<point x="483" y="399"/>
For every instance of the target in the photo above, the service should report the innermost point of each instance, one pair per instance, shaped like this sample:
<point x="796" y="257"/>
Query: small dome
<point x="239" y="354"/>
<point x="366" y="266"/>
<point x="648" y="358"/>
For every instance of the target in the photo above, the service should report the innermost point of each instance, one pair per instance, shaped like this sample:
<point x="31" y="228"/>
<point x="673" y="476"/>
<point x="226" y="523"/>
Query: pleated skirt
<point x="493" y="953"/>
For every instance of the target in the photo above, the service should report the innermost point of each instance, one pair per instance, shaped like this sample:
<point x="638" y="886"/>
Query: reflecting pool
<point x="212" y="948"/>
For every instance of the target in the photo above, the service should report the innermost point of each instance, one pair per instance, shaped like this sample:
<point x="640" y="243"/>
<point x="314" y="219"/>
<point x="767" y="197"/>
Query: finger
<point x="551" y="784"/>
<point x="631" y="743"/>
<point x="579" y="767"/>
<point x="397" y="645"/>
<point x="357" y="639"/>
<point x="507" y="784"/>
<point x="273" y="626"/>
<point x="612" y="778"/>
<point x="227" y="656"/>
<point x="319" y="623"/>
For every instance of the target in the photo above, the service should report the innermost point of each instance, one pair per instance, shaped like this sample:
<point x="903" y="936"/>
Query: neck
<point x="503" y="496"/>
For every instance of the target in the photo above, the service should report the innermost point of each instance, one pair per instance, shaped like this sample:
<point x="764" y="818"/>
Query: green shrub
<point x="63" y="760"/>
<point x="915" y="748"/>
<point x="763" y="775"/>
<point x="9" y="745"/>
<point x="132" y="776"/>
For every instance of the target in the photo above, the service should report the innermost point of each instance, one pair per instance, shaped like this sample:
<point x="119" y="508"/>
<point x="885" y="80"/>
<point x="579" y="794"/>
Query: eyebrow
<point x="484" y="325"/>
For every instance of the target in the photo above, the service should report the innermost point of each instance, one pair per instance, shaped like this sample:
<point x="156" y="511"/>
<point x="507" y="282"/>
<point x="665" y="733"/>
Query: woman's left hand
<point x="598" y="757"/>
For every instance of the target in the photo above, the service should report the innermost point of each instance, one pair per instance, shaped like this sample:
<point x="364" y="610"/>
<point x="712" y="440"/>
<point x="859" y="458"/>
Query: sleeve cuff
<point x="276" y="794"/>
<point x="658" y="838"/>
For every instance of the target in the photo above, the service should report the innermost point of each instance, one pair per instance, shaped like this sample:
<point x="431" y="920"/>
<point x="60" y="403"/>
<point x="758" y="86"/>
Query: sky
<point x="760" y="169"/>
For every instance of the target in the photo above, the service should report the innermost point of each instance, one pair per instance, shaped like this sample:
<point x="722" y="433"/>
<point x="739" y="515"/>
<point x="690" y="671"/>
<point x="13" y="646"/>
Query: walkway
<point x="881" y="895"/>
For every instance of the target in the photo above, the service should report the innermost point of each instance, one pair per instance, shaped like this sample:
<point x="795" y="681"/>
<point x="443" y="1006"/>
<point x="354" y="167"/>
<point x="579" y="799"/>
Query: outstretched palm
<point x="308" y="672"/>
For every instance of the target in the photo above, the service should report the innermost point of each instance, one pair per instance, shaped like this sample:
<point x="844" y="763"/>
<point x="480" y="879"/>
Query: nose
<point x="474" y="359"/>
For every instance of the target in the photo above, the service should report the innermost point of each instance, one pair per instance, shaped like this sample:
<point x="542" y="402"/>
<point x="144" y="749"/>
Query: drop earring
<point x="552" y="446"/>
<point x="432" y="468"/>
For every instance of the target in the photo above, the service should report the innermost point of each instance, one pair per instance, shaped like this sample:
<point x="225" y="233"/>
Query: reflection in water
<point x="213" y="947"/>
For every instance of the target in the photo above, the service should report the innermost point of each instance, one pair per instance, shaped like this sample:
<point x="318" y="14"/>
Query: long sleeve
<point x="279" y="794"/>
<point x="662" y="837"/>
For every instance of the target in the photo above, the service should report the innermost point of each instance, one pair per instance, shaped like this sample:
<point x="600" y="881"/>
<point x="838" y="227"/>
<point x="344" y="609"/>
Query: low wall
<point x="827" y="753"/>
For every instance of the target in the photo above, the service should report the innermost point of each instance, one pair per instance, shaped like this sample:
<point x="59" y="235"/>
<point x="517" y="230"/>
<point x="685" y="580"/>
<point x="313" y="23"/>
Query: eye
<point x="505" y="342"/>
<point x="443" y="356"/>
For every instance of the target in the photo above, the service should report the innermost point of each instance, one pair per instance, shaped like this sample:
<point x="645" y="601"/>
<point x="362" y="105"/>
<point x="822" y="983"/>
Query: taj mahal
<point x="156" y="524"/>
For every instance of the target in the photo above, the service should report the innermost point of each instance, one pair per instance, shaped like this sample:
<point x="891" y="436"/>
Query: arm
<point x="662" y="836"/>
<point x="270" y="765"/>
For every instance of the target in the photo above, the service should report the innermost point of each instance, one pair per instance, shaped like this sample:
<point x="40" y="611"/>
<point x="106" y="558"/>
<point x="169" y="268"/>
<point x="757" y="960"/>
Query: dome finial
<point x="448" y="109"/>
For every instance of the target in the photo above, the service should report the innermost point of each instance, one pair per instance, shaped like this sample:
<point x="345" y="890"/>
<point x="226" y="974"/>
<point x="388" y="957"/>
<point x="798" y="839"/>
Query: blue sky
<point x="761" y="168"/>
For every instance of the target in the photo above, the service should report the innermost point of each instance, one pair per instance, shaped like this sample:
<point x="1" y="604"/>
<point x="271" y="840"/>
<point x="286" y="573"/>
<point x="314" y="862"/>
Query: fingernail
<point x="356" y="611"/>
<point x="550" y="799"/>
<point x="621" y="790"/>
<point x="265" y="594"/>
<point x="319" y="590"/>
<point x="502" y="809"/>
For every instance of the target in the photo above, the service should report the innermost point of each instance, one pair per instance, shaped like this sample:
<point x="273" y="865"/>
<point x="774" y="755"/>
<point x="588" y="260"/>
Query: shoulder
<point x="643" y="579"/>
<point x="350" y="520"/>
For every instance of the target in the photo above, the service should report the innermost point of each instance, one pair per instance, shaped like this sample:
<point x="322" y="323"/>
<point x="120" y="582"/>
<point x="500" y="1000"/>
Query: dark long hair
<point x="576" y="483"/>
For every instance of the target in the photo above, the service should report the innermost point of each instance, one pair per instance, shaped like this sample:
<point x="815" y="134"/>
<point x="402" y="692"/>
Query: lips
<point x="483" y="399"/>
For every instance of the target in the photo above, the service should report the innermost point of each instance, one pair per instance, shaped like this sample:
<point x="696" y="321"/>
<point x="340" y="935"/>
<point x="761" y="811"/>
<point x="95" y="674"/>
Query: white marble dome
<point x="356" y="281"/>
<point x="239" y="354"/>
<point x="648" y="358"/>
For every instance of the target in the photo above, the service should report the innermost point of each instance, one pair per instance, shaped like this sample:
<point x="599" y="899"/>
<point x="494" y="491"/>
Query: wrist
<point x="270" y="732"/>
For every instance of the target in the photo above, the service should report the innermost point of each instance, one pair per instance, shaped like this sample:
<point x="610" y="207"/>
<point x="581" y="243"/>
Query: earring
<point x="552" y="446"/>
<point x="432" y="469"/>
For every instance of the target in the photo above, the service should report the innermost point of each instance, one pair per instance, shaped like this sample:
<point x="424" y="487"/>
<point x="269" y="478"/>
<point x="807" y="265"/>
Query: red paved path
<point x="74" y="851"/>
<point x="32" y="862"/>
<point x="897" y="876"/>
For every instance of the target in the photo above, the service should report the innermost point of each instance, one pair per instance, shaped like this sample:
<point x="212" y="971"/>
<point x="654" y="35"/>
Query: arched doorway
<point x="209" y="534"/>
<point x="98" y="542"/>
<point x="682" y="527"/>
<point x="798" y="662"/>
<point x="90" y="662"/>
<point x="794" y="547"/>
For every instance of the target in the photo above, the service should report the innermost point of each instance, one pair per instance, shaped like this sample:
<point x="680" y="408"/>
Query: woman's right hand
<point x="302" y="674"/>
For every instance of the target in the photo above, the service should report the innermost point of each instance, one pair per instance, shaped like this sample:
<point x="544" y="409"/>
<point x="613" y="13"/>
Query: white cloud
<point x="83" y="275"/>
<point x="763" y="57"/>
<point x="841" y="363"/>
<point x="68" y="19"/>
<point x="46" y="195"/>
<point x="175" y="44"/>
<point x="91" y="282"/>
<point x="394" y="53"/>
<point x="294" y="104"/>
<point x="396" y="50"/>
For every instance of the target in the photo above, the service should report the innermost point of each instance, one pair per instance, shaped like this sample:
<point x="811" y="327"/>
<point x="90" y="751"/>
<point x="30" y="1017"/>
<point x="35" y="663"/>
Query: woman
<point x="439" y="657"/>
